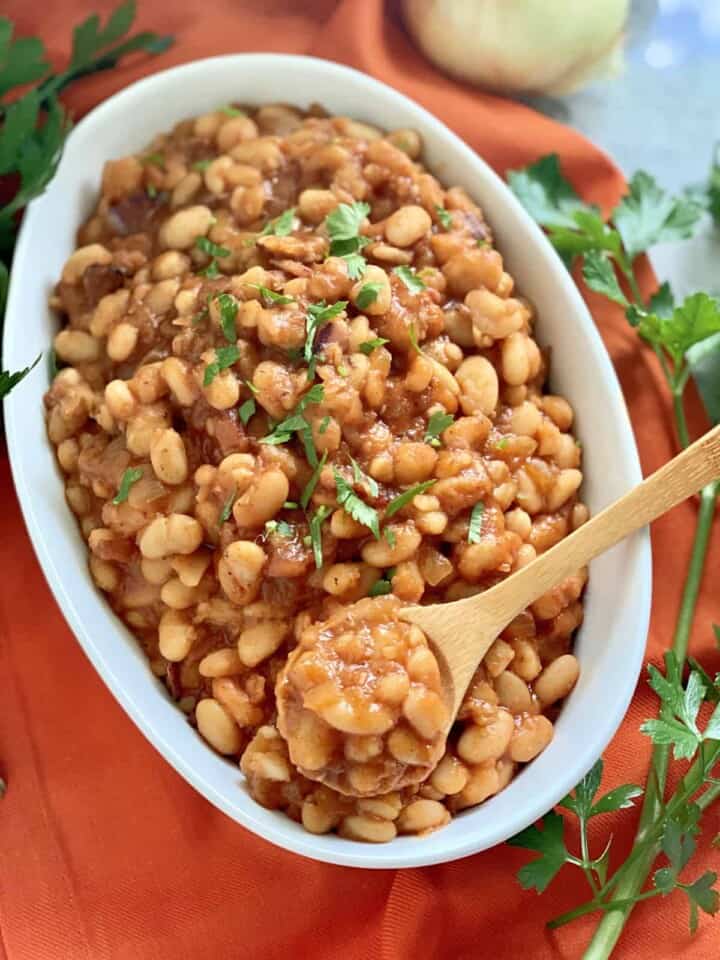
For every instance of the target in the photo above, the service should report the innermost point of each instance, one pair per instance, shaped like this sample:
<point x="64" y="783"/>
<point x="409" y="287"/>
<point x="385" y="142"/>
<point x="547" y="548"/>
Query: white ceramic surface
<point x="611" y="642"/>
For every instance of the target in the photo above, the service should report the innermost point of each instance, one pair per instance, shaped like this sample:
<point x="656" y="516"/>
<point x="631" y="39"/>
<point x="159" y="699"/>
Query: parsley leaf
<point x="703" y="360"/>
<point x="226" y="510"/>
<point x="317" y="316"/>
<point x="267" y="294"/>
<point x="648" y="215"/>
<point x="367" y="295"/>
<point x="411" y="280"/>
<point x="210" y="248"/>
<point x="599" y="275"/>
<point x="546" y="194"/>
<point x="380" y="588"/>
<point x="696" y="319"/>
<point x="230" y="111"/>
<point x="550" y="844"/>
<point x="368" y="346"/>
<point x="201" y="165"/>
<point x="295" y="422"/>
<point x="701" y="894"/>
<point x="281" y="226"/>
<point x="281" y="528"/>
<point x="355" y="507"/>
<point x="444" y="216"/>
<point x="403" y="499"/>
<point x="412" y="337"/>
<point x="360" y="477"/>
<point x="316" y="522"/>
<point x="438" y="422"/>
<point x="131" y="476"/>
<point x="475" y="525"/>
<point x="9" y="380"/>
<point x="343" y="226"/>
<point x="309" y="488"/>
<point x="247" y="410"/>
<point x="324" y="424"/>
<point x="224" y="357"/>
<point x="228" y="306"/>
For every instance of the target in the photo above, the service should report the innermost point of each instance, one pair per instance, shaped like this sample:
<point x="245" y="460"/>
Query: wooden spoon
<point x="462" y="632"/>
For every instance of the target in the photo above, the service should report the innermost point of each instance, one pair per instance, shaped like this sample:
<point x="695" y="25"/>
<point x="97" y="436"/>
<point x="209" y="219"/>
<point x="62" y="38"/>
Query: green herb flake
<point x="343" y="370"/>
<point x="411" y="280"/>
<point x="343" y="226"/>
<point x="131" y="476"/>
<point x="9" y="380"/>
<point x="502" y="443"/>
<point x="367" y="295"/>
<point x="318" y="518"/>
<point x="475" y="525"/>
<point x="154" y="160"/>
<point x="444" y="216"/>
<point x="210" y="248"/>
<point x="368" y="346"/>
<point x="380" y="588"/>
<point x="355" y="507"/>
<point x="228" y="307"/>
<point x="324" y="424"/>
<point x="318" y="314"/>
<point x="251" y="387"/>
<point x="412" y="337"/>
<point x="226" y="510"/>
<point x="151" y="191"/>
<point x="267" y="294"/>
<point x="295" y="422"/>
<point x="230" y="111"/>
<point x="389" y="535"/>
<point x="247" y="410"/>
<point x="281" y="226"/>
<point x="290" y="505"/>
<point x="438" y="422"/>
<point x="403" y="499"/>
<point x="201" y="165"/>
<point x="225" y="357"/>
<point x="309" y="488"/>
<point x="281" y="528"/>
<point x="360" y="477"/>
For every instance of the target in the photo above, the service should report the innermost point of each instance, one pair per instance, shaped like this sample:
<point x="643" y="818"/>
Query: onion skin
<point x="520" y="46"/>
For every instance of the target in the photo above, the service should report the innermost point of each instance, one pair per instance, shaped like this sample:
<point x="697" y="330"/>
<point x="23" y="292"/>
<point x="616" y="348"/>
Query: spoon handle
<point x="678" y="479"/>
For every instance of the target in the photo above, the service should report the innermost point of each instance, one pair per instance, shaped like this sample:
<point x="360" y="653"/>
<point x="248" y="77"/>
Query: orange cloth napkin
<point x="105" y="853"/>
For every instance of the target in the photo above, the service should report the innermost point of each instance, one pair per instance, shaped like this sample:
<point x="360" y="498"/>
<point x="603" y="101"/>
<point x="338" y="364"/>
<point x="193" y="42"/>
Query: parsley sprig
<point x="673" y="833"/>
<point x="296" y="423"/>
<point x="686" y="340"/>
<point x="34" y="125"/>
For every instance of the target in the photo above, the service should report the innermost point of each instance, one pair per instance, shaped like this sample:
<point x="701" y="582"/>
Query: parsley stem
<point x="587" y="869"/>
<point x="680" y="420"/>
<point x="637" y="867"/>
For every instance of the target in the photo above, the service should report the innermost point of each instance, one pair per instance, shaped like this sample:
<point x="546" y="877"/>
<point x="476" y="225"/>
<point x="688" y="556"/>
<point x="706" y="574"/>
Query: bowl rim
<point x="301" y="843"/>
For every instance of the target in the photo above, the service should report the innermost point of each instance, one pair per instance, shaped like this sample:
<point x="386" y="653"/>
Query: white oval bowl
<point x="611" y="641"/>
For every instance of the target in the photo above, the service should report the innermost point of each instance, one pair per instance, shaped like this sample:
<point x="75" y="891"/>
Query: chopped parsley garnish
<point x="443" y="216"/>
<point x="290" y="505"/>
<point x="355" y="507"/>
<point x="369" y="345"/>
<point x="475" y="525"/>
<point x="281" y="528"/>
<point x="343" y="227"/>
<point x="317" y="316"/>
<point x="380" y="588"/>
<point x="343" y="370"/>
<point x="296" y="423"/>
<point x="226" y="510"/>
<point x="360" y="477"/>
<point x="131" y="476"/>
<point x="411" y="280"/>
<point x="230" y="111"/>
<point x="324" y="424"/>
<point x="307" y="493"/>
<point x="228" y="307"/>
<point x="210" y="248"/>
<point x="267" y="294"/>
<point x="251" y="387"/>
<point x="502" y="443"/>
<point x="412" y="336"/>
<point x="201" y="165"/>
<point x="224" y="357"/>
<point x="402" y="500"/>
<point x="154" y="160"/>
<point x="151" y="190"/>
<point x="316" y="522"/>
<point x="247" y="410"/>
<point x="390" y="536"/>
<point x="438" y="422"/>
<point x="281" y="226"/>
<point x="367" y="294"/>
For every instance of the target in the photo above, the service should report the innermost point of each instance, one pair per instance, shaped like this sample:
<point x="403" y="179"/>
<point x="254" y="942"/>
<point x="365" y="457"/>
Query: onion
<point x="521" y="46"/>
